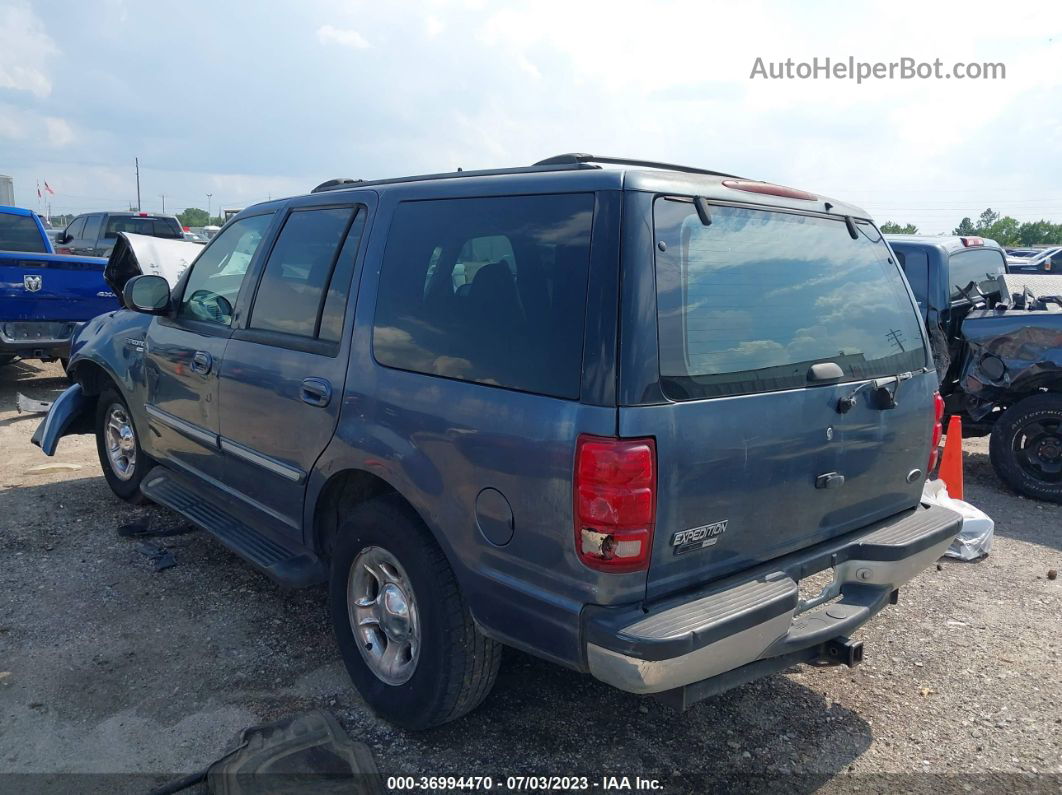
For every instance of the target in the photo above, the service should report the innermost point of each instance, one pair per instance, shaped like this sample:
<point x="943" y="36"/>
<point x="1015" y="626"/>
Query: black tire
<point x="6" y="359"/>
<point x="1026" y="447"/>
<point x="457" y="666"/>
<point x="127" y="488"/>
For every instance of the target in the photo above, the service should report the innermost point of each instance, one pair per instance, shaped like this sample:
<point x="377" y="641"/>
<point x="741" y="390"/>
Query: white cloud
<point x="474" y="84"/>
<point x="25" y="50"/>
<point x="327" y="34"/>
<point x="59" y="131"/>
<point x="433" y="26"/>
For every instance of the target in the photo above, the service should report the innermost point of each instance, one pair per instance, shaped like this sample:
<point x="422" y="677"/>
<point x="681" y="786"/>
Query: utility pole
<point x="209" y="197"/>
<point x="163" y="195"/>
<point x="137" y="161"/>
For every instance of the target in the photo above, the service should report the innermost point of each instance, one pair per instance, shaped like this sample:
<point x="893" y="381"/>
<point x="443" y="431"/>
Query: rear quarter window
<point x="20" y="233"/>
<point x="750" y="302"/>
<point x="490" y="290"/>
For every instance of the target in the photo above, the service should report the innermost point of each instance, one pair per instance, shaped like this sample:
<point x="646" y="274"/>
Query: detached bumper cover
<point x="64" y="413"/>
<point x="757" y="614"/>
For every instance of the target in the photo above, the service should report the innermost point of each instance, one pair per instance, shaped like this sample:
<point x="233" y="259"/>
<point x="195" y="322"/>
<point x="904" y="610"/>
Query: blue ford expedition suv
<point x="612" y="416"/>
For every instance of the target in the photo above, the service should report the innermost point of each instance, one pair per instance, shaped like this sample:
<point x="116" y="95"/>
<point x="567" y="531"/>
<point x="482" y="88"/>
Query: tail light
<point x="938" y="432"/>
<point x="615" y="502"/>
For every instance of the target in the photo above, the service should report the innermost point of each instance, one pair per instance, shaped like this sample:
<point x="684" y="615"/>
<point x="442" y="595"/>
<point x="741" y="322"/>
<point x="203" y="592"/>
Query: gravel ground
<point x="107" y="667"/>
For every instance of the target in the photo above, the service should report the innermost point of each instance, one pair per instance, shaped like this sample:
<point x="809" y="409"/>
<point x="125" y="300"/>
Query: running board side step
<point x="291" y="567"/>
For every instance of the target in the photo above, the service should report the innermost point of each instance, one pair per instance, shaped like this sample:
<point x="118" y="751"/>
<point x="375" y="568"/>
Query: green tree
<point x="890" y="228"/>
<point x="988" y="217"/>
<point x="193" y="216"/>
<point x="1004" y="231"/>
<point x="1032" y="233"/>
<point x="965" y="227"/>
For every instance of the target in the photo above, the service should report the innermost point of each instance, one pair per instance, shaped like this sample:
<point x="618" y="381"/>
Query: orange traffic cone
<point x="951" y="461"/>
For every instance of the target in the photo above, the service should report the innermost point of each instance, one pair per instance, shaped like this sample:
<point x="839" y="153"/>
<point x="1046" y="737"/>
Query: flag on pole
<point x="38" y="189"/>
<point x="48" y="187"/>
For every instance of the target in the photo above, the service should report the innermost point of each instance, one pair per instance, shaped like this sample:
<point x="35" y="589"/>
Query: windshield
<point x="20" y="233"/>
<point x="750" y="302"/>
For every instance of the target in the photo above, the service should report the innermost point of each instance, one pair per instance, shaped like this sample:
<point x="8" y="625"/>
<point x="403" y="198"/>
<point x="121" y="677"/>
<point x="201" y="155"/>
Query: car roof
<point x="574" y="172"/>
<point x="949" y="244"/>
<point x="15" y="211"/>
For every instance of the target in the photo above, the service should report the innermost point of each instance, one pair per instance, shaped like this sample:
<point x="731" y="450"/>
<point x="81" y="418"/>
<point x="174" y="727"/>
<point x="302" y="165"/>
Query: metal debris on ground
<point x="27" y="405"/>
<point x="145" y="530"/>
<point x="308" y="753"/>
<point x="159" y="556"/>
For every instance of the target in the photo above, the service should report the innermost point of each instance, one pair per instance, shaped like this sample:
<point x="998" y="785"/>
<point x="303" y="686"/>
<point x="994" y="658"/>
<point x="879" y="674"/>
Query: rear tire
<point x="1026" y="447"/>
<point x="118" y="445"/>
<point x="445" y="667"/>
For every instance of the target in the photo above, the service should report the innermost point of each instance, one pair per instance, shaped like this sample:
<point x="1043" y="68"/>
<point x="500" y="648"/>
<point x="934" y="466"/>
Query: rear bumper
<point x="755" y="617"/>
<point x="37" y="338"/>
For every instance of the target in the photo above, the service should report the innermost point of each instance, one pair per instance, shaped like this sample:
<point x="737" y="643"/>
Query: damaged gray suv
<point x="608" y="412"/>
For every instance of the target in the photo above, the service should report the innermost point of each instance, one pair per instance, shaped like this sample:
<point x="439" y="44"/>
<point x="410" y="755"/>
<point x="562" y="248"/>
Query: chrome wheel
<point x="120" y="441"/>
<point x="383" y="615"/>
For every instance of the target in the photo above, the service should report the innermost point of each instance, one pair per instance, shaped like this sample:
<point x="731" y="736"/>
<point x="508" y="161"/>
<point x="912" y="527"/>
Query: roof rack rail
<point x="572" y="158"/>
<point x="332" y="184"/>
<point x="340" y="184"/>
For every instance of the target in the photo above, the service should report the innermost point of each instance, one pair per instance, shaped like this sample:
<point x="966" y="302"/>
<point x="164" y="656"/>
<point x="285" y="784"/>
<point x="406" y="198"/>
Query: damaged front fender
<point x="1010" y="354"/>
<point x="67" y="415"/>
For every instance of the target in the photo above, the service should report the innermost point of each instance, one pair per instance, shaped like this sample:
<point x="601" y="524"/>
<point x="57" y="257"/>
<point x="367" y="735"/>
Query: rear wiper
<point x="884" y="398"/>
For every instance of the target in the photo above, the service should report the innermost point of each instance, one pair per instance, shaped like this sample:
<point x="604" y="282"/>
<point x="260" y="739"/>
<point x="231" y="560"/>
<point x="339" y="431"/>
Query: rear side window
<point x="138" y="225"/>
<point x="750" y="302"/>
<point x="92" y="226"/>
<point x="20" y="233"/>
<point x="490" y="290"/>
<point x="980" y="265"/>
<point x="915" y="266"/>
<point x="297" y="274"/>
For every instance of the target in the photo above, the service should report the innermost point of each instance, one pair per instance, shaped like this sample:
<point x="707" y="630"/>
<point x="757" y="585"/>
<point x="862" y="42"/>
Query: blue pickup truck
<point x="43" y="295"/>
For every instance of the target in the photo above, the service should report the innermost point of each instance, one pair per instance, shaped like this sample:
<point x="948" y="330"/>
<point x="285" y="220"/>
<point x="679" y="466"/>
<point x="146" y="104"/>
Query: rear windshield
<point x="750" y="302"/>
<point x="980" y="265"/>
<point x="137" y="225"/>
<point x="20" y="233"/>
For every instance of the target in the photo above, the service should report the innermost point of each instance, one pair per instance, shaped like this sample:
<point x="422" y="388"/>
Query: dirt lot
<point x="107" y="666"/>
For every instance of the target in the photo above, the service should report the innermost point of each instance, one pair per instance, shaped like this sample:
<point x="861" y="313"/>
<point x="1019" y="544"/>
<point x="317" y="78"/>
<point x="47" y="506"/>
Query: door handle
<point x="201" y="362"/>
<point x="316" y="392"/>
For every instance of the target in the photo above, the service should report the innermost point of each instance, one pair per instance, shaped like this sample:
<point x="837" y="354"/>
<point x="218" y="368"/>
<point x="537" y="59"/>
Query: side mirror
<point x="147" y="294"/>
<point x="63" y="238"/>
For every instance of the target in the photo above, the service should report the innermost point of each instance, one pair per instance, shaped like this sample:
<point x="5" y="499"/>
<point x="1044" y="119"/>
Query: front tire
<point x="1026" y="447"/>
<point x="118" y="445"/>
<point x="402" y="626"/>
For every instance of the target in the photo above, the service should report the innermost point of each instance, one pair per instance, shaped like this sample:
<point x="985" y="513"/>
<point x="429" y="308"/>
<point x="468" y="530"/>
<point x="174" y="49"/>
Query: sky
<point x="247" y="101"/>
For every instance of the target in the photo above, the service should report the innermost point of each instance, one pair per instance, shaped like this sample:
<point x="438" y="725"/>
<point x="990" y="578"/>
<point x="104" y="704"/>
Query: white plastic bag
<point x="975" y="538"/>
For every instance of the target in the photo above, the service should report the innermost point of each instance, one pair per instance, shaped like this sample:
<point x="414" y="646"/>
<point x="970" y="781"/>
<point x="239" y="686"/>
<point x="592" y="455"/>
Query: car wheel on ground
<point x="1026" y="447"/>
<point x="124" y="462"/>
<point x="403" y="628"/>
